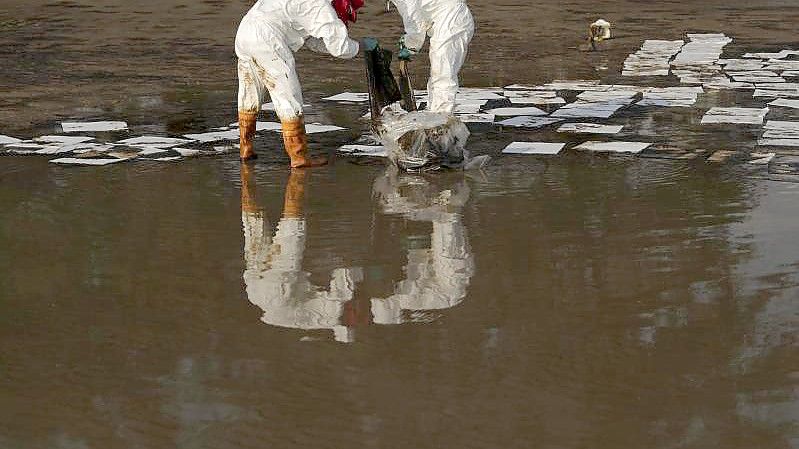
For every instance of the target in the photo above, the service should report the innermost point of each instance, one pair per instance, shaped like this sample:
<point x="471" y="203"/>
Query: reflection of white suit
<point x="436" y="277"/>
<point x="276" y="283"/>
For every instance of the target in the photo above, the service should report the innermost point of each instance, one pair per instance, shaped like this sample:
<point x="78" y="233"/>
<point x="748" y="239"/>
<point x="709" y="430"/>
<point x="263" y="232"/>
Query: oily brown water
<point x="570" y="302"/>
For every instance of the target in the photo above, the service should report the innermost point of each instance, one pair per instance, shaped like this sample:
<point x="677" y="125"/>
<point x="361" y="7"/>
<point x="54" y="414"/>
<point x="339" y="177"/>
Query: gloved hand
<point x="369" y="43"/>
<point x="404" y="53"/>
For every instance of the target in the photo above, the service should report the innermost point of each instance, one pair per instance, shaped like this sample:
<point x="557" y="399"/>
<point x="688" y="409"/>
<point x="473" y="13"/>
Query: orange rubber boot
<point x="246" y="134"/>
<point x="296" y="143"/>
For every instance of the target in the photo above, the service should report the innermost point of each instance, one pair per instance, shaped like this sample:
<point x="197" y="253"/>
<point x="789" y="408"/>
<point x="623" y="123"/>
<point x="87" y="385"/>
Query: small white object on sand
<point x="545" y="148"/>
<point x="72" y="127"/>
<point x="614" y="147"/>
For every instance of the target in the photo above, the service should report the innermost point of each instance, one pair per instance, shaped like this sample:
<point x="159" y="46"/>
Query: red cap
<point x="347" y="10"/>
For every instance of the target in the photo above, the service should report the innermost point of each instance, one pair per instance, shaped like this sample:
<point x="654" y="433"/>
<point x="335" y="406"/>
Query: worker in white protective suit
<point x="437" y="277"/>
<point x="273" y="275"/>
<point x="450" y="25"/>
<point x="267" y="38"/>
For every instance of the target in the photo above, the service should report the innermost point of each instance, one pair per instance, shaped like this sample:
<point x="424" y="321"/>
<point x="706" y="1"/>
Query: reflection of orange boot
<point x="296" y="143"/>
<point x="246" y="134"/>
<point x="249" y="203"/>
<point x="295" y="192"/>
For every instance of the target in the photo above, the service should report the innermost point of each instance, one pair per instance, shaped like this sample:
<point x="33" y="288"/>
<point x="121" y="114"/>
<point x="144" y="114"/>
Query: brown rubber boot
<point x="295" y="192"/>
<point x="249" y="203"/>
<point x="246" y="134"/>
<point x="296" y="143"/>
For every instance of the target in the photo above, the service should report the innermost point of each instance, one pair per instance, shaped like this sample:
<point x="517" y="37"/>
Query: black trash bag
<point x="383" y="88"/>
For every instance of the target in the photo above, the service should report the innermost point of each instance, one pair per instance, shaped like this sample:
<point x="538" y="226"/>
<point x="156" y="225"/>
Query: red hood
<point x="347" y="10"/>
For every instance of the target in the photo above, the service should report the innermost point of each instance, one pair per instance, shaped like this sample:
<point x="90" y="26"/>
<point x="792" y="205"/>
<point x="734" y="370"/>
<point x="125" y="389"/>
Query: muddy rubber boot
<point x="249" y="203"/>
<point x="246" y="134"/>
<point x="296" y="143"/>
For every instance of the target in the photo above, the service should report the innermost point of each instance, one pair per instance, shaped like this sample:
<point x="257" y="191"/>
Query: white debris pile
<point x="780" y="134"/>
<point x="744" y="116"/>
<point x="698" y="61"/>
<point x="423" y="140"/>
<point x="671" y="96"/>
<point x="653" y="59"/>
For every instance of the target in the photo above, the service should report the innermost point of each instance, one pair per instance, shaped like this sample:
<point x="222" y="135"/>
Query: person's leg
<point x="251" y="94"/>
<point x="278" y="73"/>
<point x="447" y="55"/>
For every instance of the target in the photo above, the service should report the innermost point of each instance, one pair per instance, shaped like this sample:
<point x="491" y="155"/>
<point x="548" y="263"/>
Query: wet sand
<point x="584" y="301"/>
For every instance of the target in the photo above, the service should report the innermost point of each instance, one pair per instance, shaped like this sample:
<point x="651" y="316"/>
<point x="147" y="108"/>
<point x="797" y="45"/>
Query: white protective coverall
<point x="436" y="277"/>
<point x="450" y="25"/>
<point x="274" y="277"/>
<point x="267" y="38"/>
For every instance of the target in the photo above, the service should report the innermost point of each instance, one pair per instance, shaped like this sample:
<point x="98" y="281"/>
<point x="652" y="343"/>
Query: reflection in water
<point x="274" y="277"/>
<point x="436" y="277"/>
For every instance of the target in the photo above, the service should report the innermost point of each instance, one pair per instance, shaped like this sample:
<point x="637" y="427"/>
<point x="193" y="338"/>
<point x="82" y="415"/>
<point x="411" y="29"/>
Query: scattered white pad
<point x="79" y="161"/>
<point x="780" y="55"/>
<point x="589" y="109"/>
<point x="529" y="121"/>
<point x="468" y="108"/>
<point x="477" y="118"/>
<point x="364" y="150"/>
<point x="590" y="128"/>
<point x="354" y="97"/>
<point x="5" y="140"/>
<point x="537" y="97"/>
<point x="65" y="140"/>
<point x="652" y="59"/>
<point x="159" y="141"/>
<point x="214" y="136"/>
<point x="533" y="148"/>
<point x="785" y="103"/>
<point x="187" y="152"/>
<point x="72" y="127"/>
<point x="510" y="112"/>
<point x="614" y="147"/>
<point x="576" y="85"/>
<point x="746" y="116"/>
<point x="314" y="128"/>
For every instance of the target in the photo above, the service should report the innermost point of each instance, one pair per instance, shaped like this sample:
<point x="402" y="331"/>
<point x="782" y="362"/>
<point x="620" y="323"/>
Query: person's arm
<point x="319" y="19"/>
<point x="415" y="26"/>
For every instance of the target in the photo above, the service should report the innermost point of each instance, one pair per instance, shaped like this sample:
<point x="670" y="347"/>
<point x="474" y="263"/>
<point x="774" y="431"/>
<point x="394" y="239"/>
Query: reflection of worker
<point x="436" y="277"/>
<point x="274" y="277"/>
<point x="267" y="38"/>
<point x="450" y="25"/>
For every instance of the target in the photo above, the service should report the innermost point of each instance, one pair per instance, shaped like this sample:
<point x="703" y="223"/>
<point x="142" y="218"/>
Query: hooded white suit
<point x="266" y="40"/>
<point x="450" y="25"/>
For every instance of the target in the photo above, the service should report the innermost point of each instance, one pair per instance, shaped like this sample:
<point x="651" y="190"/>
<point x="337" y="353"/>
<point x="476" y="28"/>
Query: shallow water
<point x="579" y="301"/>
